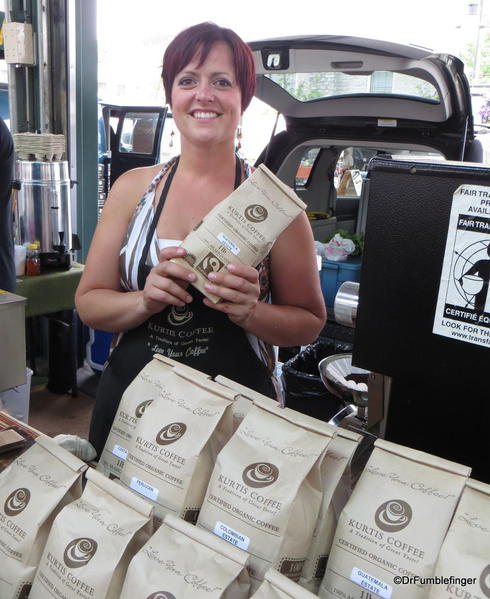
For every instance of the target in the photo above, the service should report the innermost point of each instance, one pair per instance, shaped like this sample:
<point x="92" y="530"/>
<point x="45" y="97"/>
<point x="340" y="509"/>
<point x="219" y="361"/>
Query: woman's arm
<point x="297" y="313"/>
<point x="99" y="299"/>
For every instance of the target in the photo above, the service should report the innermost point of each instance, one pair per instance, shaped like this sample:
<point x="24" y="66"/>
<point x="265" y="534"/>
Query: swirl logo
<point x="17" y="502"/>
<point x="171" y="433"/>
<point x="161" y="595"/>
<point x="260" y="474"/>
<point x="140" y="410"/>
<point x="179" y="315"/>
<point x="485" y="581"/>
<point x="256" y="213"/>
<point x="393" y="515"/>
<point x="79" y="552"/>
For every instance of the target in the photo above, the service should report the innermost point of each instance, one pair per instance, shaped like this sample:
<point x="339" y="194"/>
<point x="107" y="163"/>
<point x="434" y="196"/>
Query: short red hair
<point x="198" y="40"/>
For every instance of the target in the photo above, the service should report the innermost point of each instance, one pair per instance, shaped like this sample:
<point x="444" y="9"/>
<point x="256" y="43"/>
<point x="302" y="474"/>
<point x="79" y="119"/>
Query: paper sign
<point x="463" y="304"/>
<point x="350" y="184"/>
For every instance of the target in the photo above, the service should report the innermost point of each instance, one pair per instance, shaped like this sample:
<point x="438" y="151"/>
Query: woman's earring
<point x="238" y="138"/>
<point x="171" y="142"/>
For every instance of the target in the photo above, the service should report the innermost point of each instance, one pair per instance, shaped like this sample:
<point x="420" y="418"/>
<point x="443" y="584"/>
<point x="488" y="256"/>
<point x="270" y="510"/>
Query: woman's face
<point x="206" y="100"/>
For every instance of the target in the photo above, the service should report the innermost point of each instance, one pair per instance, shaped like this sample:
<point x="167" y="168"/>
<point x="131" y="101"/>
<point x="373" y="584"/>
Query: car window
<point x="305" y="167"/>
<point x="357" y="158"/>
<point x="306" y="87"/>
<point x="138" y="133"/>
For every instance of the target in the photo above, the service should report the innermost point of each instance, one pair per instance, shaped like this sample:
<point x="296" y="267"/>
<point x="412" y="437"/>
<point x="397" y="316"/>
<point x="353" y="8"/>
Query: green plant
<point x="357" y="238"/>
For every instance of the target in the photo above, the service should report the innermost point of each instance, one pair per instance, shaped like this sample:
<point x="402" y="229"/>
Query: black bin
<point x="304" y="390"/>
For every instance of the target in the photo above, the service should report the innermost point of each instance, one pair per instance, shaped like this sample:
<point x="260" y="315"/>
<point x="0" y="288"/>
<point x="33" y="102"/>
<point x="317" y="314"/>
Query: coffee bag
<point x="243" y="400"/>
<point x="176" y="443"/>
<point x="266" y="488"/>
<point x="242" y="228"/>
<point x="147" y="386"/>
<point x="463" y="566"/>
<point x="337" y="459"/>
<point x="393" y="524"/>
<point x="92" y="541"/>
<point x="181" y="560"/>
<point x="278" y="586"/>
<point x="33" y="489"/>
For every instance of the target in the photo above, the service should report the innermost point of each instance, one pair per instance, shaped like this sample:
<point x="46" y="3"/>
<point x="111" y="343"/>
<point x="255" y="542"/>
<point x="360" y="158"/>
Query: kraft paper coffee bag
<point x="393" y="524"/>
<point x="266" y="488"/>
<point x="277" y="586"/>
<point x="92" y="541"/>
<point x="33" y="489"/>
<point x="243" y="400"/>
<point x="176" y="443"/>
<point x="181" y="560"/>
<point x="337" y="459"/>
<point x="242" y="228"/>
<point x="147" y="386"/>
<point x="463" y="566"/>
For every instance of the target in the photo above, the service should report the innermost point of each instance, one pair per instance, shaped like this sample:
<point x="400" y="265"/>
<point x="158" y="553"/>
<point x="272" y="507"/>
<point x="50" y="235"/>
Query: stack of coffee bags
<point x="264" y="478"/>
<point x="176" y="442"/>
<point x="92" y="541"/>
<point x="242" y="228"/>
<point x="33" y="489"/>
<point x="393" y="524"/>
<point x="181" y="560"/>
<point x="147" y="387"/>
<point x="464" y="559"/>
<point x="339" y="455"/>
<point x="277" y="586"/>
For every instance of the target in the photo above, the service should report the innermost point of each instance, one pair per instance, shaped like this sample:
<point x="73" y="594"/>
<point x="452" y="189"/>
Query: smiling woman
<point x="131" y="286"/>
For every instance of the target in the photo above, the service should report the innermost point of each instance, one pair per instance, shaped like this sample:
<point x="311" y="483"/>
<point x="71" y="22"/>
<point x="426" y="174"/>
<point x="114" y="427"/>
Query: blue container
<point x="333" y="274"/>
<point x="98" y="348"/>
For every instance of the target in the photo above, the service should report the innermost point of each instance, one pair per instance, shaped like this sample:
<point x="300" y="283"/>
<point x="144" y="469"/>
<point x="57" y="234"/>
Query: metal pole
<point x="476" y="62"/>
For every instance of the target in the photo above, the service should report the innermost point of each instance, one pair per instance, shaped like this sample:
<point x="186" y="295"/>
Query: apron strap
<point x="151" y="229"/>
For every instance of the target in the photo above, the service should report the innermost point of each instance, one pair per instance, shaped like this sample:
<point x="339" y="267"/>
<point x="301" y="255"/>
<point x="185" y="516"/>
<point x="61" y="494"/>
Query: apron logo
<point x="161" y="595"/>
<point x="179" y="315"/>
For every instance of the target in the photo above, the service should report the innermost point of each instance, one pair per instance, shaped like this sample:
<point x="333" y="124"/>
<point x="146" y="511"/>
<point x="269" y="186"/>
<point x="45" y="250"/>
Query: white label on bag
<point x="232" y="536"/>
<point x="120" y="452"/>
<point x="228" y="243"/>
<point x="143" y="488"/>
<point x="371" y="583"/>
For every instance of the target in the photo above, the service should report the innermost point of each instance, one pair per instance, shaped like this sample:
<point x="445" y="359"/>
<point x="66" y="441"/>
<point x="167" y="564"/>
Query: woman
<point x="209" y="80"/>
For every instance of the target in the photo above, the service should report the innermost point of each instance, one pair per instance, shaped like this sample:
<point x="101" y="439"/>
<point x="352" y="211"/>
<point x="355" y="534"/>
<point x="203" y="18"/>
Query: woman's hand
<point x="167" y="282"/>
<point x="238" y="288"/>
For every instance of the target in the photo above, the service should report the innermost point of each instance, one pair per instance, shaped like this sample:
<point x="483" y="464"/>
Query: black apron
<point x="193" y="334"/>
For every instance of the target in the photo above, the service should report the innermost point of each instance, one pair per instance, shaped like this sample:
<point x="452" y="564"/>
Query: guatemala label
<point x="371" y="583"/>
<point x="463" y="303"/>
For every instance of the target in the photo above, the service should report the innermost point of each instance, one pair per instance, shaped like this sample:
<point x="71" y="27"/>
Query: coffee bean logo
<point x="393" y="515"/>
<point x="256" y="213"/>
<point x="260" y="474"/>
<point x="140" y="410"/>
<point x="485" y="581"/>
<point x="79" y="552"/>
<point x="17" y="502"/>
<point x="171" y="433"/>
<point x="161" y="595"/>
